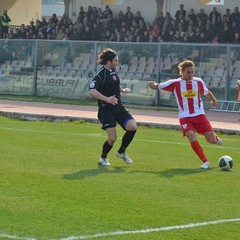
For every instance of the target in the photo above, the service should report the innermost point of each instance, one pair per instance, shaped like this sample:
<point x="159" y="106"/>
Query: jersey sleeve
<point x="168" y="85"/>
<point x="202" y="86"/>
<point x="95" y="83"/>
<point x="205" y="89"/>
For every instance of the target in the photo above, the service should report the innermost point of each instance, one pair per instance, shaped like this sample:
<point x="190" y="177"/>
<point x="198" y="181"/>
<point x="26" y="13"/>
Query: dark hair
<point x="106" y="55"/>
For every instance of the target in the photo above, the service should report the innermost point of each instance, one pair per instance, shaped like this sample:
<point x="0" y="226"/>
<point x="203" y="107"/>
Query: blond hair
<point x="185" y="64"/>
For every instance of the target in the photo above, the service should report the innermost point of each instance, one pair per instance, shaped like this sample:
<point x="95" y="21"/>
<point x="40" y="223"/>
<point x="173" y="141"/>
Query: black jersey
<point x="106" y="82"/>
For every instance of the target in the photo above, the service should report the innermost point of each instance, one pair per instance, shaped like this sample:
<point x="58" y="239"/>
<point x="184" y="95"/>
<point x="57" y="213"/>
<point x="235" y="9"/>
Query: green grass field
<point x="52" y="187"/>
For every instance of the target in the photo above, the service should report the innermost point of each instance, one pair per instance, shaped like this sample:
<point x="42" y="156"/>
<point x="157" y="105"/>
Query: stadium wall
<point x="149" y="10"/>
<point x="22" y="11"/>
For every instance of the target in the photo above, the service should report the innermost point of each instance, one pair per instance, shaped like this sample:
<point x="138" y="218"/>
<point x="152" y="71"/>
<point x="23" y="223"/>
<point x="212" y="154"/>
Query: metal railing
<point x="64" y="69"/>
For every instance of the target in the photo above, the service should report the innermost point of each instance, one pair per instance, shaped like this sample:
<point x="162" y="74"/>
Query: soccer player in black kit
<point x="105" y="87"/>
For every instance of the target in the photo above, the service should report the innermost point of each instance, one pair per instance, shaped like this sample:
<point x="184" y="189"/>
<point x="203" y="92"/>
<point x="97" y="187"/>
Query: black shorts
<point x="110" y="117"/>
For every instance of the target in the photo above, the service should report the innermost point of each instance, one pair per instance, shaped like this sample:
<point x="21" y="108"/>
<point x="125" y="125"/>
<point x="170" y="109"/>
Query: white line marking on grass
<point x="103" y="136"/>
<point x="15" y="237"/>
<point x="191" y="225"/>
<point x="40" y="131"/>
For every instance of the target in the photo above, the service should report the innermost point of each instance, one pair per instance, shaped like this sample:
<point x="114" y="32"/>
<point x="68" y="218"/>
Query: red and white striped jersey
<point x="187" y="94"/>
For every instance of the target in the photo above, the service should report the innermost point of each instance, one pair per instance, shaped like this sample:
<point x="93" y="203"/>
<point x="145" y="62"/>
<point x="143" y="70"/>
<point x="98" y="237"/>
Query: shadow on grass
<point x="93" y="172"/>
<point x="181" y="171"/>
<point x="101" y="170"/>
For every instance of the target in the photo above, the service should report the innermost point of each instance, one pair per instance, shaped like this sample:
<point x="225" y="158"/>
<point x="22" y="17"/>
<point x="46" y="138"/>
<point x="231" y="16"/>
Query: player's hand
<point x="126" y="90"/>
<point x="152" y="85"/>
<point x="213" y="103"/>
<point x="113" y="100"/>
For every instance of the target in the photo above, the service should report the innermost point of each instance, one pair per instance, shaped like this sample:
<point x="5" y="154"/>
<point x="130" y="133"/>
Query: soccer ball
<point x="238" y="82"/>
<point x="225" y="163"/>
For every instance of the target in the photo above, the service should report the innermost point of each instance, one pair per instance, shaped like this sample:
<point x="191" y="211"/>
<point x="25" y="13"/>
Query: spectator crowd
<point x="96" y="24"/>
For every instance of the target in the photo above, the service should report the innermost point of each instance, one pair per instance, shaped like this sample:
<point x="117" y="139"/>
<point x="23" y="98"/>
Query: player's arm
<point x="212" y="99"/>
<point x="96" y="94"/>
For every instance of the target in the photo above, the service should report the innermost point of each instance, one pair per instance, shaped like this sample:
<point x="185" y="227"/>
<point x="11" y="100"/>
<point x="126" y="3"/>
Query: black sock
<point x="126" y="140"/>
<point x="106" y="149"/>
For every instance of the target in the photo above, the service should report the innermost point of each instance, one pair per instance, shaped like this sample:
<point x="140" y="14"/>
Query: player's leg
<point x="109" y="124"/>
<point x="188" y="129"/>
<point x="206" y="129"/>
<point x="197" y="148"/>
<point x="213" y="138"/>
<point x="131" y="128"/>
<point x="128" y="123"/>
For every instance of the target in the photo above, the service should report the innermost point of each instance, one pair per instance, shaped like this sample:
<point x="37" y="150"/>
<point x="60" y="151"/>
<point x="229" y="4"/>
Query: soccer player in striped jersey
<point x="188" y="90"/>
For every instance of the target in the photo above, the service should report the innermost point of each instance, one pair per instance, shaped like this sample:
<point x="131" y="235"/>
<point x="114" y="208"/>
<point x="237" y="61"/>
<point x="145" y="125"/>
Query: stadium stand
<point x="94" y="26"/>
